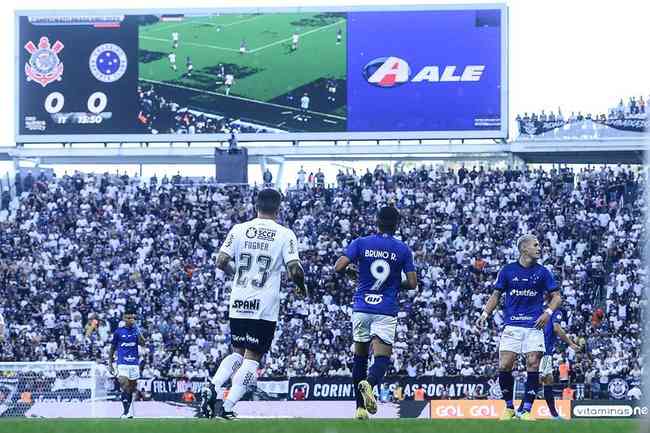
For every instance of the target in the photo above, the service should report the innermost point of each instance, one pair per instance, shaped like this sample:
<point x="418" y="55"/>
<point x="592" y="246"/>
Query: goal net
<point x="51" y="389"/>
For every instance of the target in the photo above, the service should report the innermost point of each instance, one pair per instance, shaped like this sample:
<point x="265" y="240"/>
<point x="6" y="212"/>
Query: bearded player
<point x="381" y="259"/>
<point x="525" y="283"/>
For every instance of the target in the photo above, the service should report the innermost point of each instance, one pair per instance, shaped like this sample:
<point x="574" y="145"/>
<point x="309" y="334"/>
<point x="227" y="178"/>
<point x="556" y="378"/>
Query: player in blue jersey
<point x="380" y="260"/>
<point x="552" y="330"/>
<point x="525" y="283"/>
<point x="125" y="342"/>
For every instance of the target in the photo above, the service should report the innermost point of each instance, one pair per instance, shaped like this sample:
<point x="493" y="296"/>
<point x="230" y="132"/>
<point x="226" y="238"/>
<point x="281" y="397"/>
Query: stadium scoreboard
<point x="76" y="76"/>
<point x="274" y="74"/>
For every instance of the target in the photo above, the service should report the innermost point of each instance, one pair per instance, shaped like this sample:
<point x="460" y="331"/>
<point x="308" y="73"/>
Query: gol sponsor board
<point x="490" y="409"/>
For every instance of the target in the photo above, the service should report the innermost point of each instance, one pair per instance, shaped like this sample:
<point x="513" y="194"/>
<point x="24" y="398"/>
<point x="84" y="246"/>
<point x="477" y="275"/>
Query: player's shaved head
<point x="388" y="219"/>
<point x="268" y="201"/>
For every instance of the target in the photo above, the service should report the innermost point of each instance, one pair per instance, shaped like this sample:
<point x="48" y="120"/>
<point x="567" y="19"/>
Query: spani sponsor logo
<point x="250" y="304"/>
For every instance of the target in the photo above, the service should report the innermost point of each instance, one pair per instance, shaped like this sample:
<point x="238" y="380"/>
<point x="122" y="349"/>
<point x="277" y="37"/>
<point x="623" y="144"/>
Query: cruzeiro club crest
<point x="44" y="65"/>
<point x="108" y="63"/>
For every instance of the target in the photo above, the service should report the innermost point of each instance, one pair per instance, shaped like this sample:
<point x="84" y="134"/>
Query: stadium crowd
<point x="634" y="108"/>
<point x="76" y="250"/>
<point x="159" y="115"/>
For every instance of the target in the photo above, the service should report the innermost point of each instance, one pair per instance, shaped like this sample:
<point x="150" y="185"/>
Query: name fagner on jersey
<point x="260" y="248"/>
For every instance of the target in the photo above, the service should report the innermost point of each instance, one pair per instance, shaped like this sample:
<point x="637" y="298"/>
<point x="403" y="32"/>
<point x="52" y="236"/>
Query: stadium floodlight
<point x="52" y="389"/>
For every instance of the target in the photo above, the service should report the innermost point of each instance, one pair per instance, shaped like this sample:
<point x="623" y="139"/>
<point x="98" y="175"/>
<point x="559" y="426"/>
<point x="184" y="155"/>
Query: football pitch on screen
<point x="269" y="71"/>
<point x="279" y="425"/>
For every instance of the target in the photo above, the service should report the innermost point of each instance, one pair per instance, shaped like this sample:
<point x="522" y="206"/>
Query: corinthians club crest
<point x="44" y="65"/>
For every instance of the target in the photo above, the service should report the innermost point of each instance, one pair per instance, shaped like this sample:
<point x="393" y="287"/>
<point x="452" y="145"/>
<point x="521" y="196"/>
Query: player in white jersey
<point x="294" y="41"/>
<point x="304" y="107"/>
<point x="172" y="60"/>
<point x="174" y="40"/>
<point x="260" y="249"/>
<point x="331" y="90"/>
<point x="228" y="82"/>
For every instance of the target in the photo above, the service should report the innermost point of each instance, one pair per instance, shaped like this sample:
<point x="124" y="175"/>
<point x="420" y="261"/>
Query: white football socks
<point x="227" y="368"/>
<point x="246" y="376"/>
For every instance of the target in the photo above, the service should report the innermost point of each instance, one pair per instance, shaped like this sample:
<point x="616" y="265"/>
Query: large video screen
<point x="268" y="74"/>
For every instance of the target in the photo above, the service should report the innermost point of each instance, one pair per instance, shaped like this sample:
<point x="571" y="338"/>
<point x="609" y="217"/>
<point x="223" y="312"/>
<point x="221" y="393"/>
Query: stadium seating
<point x="76" y="250"/>
<point x="634" y="108"/>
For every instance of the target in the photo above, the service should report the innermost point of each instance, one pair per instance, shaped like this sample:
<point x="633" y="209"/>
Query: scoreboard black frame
<point x="81" y="76"/>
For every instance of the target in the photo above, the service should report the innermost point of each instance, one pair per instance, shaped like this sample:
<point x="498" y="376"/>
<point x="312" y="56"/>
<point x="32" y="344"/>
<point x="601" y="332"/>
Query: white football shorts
<point x="366" y="325"/>
<point x="546" y="366"/>
<point x="131" y="372"/>
<point x="522" y="340"/>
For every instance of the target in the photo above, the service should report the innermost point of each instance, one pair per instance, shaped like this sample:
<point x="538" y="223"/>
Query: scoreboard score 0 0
<point x="97" y="103"/>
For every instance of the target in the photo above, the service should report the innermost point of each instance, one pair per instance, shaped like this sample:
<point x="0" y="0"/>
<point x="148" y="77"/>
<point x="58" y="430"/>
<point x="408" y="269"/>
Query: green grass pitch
<point x="318" y="426"/>
<point x="268" y="71"/>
